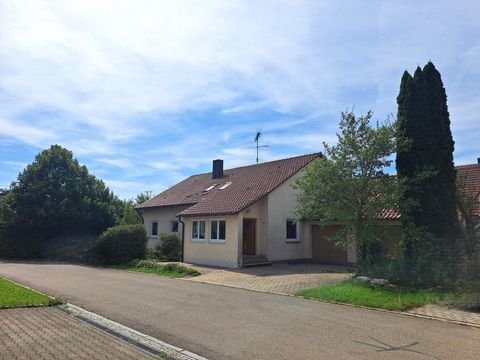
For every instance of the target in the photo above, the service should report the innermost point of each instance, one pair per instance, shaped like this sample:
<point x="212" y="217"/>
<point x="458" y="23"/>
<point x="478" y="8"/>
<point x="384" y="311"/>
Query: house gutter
<point x="183" y="235"/>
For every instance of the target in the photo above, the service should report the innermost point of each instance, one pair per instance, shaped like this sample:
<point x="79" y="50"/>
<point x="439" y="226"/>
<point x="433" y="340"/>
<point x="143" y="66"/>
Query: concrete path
<point x="277" y="278"/>
<point x="225" y="323"/>
<point x="49" y="333"/>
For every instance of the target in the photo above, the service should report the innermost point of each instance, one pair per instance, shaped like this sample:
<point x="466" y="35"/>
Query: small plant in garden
<point x="146" y="263"/>
<point x="173" y="270"/>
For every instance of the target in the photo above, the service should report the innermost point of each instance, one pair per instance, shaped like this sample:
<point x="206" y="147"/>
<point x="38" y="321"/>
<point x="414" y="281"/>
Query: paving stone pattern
<point x="277" y="278"/>
<point x="446" y="313"/>
<point x="49" y="333"/>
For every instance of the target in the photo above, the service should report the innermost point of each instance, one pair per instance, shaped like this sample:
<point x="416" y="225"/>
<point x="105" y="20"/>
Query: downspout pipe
<point x="183" y="236"/>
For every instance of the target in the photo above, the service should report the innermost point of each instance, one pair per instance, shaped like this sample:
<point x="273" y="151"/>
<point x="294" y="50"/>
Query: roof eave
<point x="164" y="206"/>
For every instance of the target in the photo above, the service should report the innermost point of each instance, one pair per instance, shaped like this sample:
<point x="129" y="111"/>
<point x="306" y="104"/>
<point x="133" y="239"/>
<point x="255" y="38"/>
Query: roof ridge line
<point x="263" y="163"/>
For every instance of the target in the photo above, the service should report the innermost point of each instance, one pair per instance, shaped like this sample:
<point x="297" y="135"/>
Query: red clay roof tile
<point x="469" y="175"/>
<point x="248" y="184"/>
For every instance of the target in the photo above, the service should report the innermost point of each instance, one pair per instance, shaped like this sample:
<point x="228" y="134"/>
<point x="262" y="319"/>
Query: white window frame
<point x="198" y="240"/>
<point x="295" y="239"/>
<point x="151" y="229"/>
<point x="217" y="240"/>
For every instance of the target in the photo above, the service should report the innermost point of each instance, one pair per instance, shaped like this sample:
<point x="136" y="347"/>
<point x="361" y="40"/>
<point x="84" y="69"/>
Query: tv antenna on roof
<point x="257" y="138"/>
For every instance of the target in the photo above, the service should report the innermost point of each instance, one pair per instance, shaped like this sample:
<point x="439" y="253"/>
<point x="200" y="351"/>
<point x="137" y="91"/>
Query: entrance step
<point x="255" y="260"/>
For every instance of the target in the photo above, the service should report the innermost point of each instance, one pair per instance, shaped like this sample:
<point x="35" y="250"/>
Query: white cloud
<point x="122" y="81"/>
<point x="17" y="165"/>
<point x="24" y="133"/>
<point x="120" y="163"/>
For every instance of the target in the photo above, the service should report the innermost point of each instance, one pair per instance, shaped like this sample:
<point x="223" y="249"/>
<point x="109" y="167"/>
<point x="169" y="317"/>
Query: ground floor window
<point x="154" y="229"/>
<point x="174" y="226"/>
<point x="198" y="230"/>
<point x="217" y="230"/>
<point x="291" y="229"/>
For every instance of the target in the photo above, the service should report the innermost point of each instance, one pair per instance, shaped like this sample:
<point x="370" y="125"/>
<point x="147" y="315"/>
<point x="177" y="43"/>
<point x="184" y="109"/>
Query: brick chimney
<point x="217" y="171"/>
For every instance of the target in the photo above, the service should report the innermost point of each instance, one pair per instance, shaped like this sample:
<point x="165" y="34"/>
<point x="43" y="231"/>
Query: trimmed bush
<point x="168" y="247"/>
<point x="121" y="244"/>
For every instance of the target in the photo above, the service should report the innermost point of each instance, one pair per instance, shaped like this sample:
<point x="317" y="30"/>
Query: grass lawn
<point x="354" y="292"/>
<point x="13" y="295"/>
<point x="171" y="270"/>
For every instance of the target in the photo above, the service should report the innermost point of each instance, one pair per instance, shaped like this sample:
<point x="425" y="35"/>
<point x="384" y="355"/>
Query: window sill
<point x="198" y="240"/>
<point x="216" y="241"/>
<point x="292" y="241"/>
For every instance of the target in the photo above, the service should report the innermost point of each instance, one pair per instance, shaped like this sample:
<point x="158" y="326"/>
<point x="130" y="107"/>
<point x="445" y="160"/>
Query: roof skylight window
<point x="224" y="186"/>
<point x="210" y="187"/>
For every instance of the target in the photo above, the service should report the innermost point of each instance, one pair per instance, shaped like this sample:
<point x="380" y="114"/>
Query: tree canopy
<point x="349" y="184"/>
<point x="56" y="196"/>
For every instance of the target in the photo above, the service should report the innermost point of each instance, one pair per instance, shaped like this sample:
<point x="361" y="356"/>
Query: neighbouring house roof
<point x="248" y="184"/>
<point x="469" y="177"/>
<point x="389" y="214"/>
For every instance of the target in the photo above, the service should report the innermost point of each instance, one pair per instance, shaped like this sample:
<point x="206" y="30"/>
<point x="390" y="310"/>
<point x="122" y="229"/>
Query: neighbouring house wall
<point x="164" y="216"/>
<point x="258" y="211"/>
<point x="208" y="253"/>
<point x="281" y="205"/>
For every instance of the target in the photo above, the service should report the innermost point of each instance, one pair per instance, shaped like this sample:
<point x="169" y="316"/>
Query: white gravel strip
<point x="133" y="335"/>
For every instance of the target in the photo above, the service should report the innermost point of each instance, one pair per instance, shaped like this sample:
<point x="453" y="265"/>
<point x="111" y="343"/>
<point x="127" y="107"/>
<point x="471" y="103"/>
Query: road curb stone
<point x="146" y="342"/>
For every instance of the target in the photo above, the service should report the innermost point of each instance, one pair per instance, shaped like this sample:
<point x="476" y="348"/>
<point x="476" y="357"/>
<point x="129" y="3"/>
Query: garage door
<point x="323" y="250"/>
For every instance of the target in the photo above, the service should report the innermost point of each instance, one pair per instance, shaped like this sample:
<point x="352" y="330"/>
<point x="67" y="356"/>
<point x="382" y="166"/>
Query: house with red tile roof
<point x="234" y="217"/>
<point x="246" y="216"/>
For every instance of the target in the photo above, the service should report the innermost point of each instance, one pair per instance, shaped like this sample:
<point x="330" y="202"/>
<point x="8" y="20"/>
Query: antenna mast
<point x="257" y="138"/>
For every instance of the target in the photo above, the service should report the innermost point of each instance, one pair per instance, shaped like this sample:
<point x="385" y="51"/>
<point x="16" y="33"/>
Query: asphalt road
<point x="226" y="323"/>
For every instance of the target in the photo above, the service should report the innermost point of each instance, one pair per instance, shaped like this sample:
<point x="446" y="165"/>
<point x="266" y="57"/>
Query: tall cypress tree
<point x="425" y="163"/>
<point x="445" y="182"/>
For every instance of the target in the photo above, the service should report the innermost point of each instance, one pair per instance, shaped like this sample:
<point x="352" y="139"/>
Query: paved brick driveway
<point x="441" y="312"/>
<point x="49" y="333"/>
<point x="277" y="278"/>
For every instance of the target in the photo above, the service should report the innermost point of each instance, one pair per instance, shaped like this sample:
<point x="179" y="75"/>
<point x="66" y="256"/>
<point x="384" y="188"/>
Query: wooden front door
<point x="249" y="232"/>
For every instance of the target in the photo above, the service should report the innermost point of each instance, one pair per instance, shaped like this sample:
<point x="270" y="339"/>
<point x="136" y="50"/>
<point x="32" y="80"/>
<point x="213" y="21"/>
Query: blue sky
<point x="146" y="93"/>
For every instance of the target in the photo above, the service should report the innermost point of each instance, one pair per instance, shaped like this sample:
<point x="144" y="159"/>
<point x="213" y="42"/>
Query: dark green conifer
<point x="425" y="166"/>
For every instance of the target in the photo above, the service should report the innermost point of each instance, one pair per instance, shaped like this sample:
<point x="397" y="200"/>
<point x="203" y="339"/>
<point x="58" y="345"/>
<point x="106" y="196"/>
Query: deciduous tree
<point x="349" y="184"/>
<point x="56" y="196"/>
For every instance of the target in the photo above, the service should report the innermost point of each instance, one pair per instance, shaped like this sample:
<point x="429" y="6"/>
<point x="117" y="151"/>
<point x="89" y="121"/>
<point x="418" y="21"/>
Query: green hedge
<point x="168" y="248"/>
<point x="121" y="244"/>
